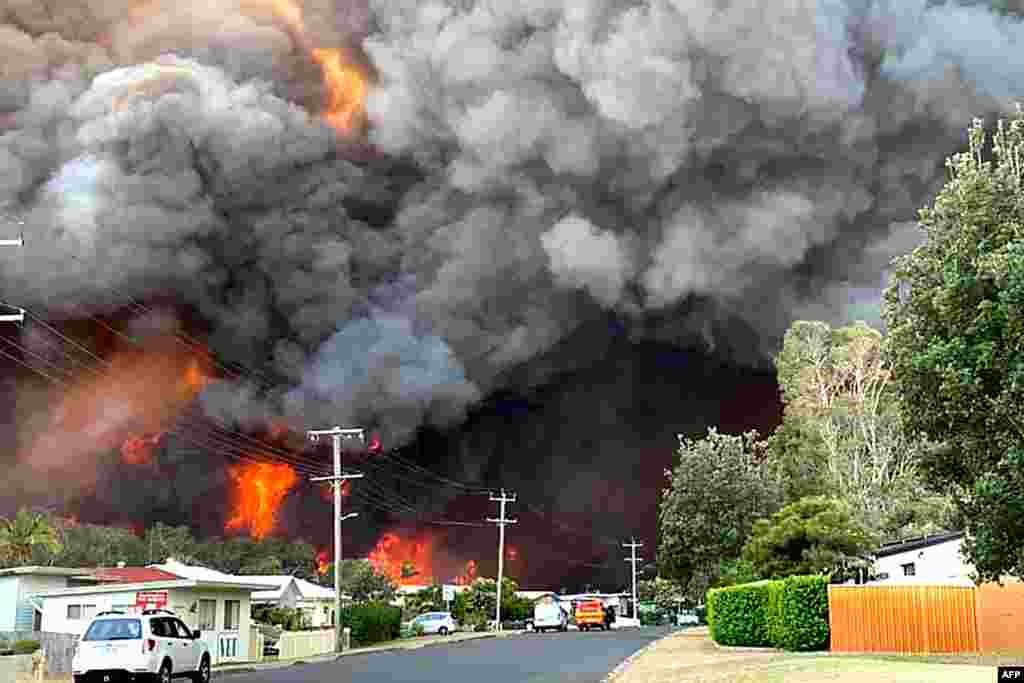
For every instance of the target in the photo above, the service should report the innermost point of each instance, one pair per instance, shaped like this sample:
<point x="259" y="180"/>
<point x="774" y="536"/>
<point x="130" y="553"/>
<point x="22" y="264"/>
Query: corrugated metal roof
<point x="133" y="575"/>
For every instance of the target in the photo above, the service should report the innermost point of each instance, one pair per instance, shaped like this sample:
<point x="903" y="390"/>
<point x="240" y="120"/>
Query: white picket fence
<point x="295" y="644"/>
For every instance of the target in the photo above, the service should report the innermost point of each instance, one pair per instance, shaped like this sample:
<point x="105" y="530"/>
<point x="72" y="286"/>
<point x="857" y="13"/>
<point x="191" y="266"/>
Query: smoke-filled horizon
<point x="487" y="198"/>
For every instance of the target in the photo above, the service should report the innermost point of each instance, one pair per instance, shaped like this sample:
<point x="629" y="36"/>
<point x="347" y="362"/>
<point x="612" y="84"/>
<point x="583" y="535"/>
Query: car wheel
<point x="203" y="675"/>
<point x="443" y="631"/>
<point x="164" y="675"/>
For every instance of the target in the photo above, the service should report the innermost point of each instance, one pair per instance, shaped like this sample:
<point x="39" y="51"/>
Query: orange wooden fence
<point x="911" y="619"/>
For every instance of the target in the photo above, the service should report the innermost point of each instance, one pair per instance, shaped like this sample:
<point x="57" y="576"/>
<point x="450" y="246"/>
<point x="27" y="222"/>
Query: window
<point x="158" y="627"/>
<point x="207" y="615"/>
<point x="114" y="629"/>
<point x="81" y="612"/>
<point x="909" y="569"/>
<point x="171" y="627"/>
<point x="231" y="612"/>
<point x="183" y="631"/>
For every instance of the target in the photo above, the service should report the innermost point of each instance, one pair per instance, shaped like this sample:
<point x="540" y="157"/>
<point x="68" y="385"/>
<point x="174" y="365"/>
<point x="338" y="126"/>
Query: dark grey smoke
<point x="698" y="172"/>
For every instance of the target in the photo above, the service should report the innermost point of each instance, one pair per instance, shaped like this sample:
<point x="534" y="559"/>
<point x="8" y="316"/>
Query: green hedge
<point x="737" y="615"/>
<point x="805" y="613"/>
<point x="791" y="614"/>
<point x="25" y="647"/>
<point x="372" y="622"/>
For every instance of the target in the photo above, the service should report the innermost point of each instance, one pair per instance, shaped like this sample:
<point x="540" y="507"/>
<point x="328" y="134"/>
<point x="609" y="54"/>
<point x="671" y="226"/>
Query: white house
<point x="926" y="559"/>
<point x="216" y="604"/>
<point x="17" y="613"/>
<point x="316" y="602"/>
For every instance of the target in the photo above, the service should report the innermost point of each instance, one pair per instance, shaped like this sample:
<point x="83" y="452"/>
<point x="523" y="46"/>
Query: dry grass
<point x="690" y="657"/>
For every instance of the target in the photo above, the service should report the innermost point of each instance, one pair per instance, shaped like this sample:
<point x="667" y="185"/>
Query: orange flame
<point x="346" y="89"/>
<point x="260" y="490"/>
<point x="323" y="564"/>
<point x="138" y="450"/>
<point x="406" y="561"/>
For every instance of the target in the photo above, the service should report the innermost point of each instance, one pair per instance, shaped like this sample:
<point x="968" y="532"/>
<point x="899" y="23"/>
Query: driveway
<point x="571" y="657"/>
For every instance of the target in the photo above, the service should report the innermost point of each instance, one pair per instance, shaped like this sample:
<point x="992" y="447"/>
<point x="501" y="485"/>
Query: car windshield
<point x="114" y="629"/>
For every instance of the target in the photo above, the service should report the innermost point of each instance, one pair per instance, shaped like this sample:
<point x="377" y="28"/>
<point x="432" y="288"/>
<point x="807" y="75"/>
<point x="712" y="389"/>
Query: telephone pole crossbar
<point x="633" y="559"/>
<point x="502" y="522"/>
<point x="337" y="434"/>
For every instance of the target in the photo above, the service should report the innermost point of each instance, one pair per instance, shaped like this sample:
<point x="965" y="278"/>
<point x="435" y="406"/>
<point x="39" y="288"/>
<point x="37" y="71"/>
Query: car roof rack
<point x="103" y="614"/>
<point x="148" y="612"/>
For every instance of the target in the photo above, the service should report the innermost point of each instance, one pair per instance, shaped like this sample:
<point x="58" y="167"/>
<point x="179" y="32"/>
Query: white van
<point x="548" y="615"/>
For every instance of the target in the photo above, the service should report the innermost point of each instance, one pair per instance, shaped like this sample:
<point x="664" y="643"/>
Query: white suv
<point x="153" y="645"/>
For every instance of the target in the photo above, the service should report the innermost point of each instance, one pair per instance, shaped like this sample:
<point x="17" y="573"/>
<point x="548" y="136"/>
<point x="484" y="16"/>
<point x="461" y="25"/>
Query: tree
<point x="26" y="533"/>
<point x="842" y="420"/>
<point x="717" y="489"/>
<point x="956" y="333"/>
<point x="814" y="535"/>
<point x="90" y="545"/>
<point x="361" y="581"/>
<point x="665" y="594"/>
<point x="481" y="601"/>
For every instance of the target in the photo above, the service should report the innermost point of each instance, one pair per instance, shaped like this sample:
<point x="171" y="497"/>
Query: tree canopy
<point x="841" y="433"/>
<point x="717" y="489"/>
<point x="955" y="312"/>
<point x="26" y="534"/>
<point x="813" y="535"/>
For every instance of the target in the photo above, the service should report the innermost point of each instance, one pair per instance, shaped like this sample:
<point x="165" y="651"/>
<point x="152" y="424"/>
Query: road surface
<point x="571" y="657"/>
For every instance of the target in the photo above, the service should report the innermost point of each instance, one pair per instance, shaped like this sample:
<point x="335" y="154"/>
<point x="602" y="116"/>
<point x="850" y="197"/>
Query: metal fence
<point x="59" y="647"/>
<point x="922" y="619"/>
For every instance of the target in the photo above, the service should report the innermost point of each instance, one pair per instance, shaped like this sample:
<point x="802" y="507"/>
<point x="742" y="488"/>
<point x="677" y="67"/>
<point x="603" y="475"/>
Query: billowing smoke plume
<point x="699" y="172"/>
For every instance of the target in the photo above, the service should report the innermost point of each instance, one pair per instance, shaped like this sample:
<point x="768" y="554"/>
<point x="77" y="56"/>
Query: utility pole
<point x="337" y="434"/>
<point x="502" y="521"/>
<point x="18" y="317"/>
<point x="633" y="559"/>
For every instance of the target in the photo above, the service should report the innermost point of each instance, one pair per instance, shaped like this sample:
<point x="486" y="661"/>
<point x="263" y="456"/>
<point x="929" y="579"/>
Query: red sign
<point x="151" y="600"/>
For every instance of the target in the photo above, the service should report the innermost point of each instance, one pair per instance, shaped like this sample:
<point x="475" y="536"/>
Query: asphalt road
<point x="571" y="657"/>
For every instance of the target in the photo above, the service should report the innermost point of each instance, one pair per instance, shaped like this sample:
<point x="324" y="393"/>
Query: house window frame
<point x="203" y="625"/>
<point x="86" y="611"/>
<point x="237" y="625"/>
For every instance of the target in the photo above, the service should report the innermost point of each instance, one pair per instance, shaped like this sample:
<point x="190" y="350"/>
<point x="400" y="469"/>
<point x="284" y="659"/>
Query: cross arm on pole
<point x="18" y="317"/>
<point x="357" y="475"/>
<point x="12" y="243"/>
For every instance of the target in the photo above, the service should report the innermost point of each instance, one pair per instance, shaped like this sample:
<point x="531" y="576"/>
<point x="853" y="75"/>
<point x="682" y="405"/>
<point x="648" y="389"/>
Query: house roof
<point x="132" y="575"/>
<point x="207" y="576"/>
<point x="280" y="583"/>
<point x="311" y="591"/>
<point x="918" y="543"/>
<point x="42" y="571"/>
<point x="114" y="588"/>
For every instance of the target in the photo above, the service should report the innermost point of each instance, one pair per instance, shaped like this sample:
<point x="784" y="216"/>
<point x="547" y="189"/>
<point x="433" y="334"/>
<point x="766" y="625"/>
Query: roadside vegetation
<point x="885" y="435"/>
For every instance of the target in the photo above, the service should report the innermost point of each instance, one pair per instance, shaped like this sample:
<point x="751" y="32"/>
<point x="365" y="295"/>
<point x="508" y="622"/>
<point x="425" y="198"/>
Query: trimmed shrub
<point x="737" y="615"/>
<point x="372" y="622"/>
<point x="776" y="623"/>
<point x="805" y="613"/>
<point x="791" y="614"/>
<point x="25" y="647"/>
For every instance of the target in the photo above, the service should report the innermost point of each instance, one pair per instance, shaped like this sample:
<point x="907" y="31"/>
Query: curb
<point x="625" y="664"/>
<point x="322" y="659"/>
<point x="733" y="648"/>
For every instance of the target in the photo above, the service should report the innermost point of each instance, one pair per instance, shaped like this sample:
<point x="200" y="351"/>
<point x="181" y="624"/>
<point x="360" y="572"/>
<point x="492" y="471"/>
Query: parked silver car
<point x="441" y="623"/>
